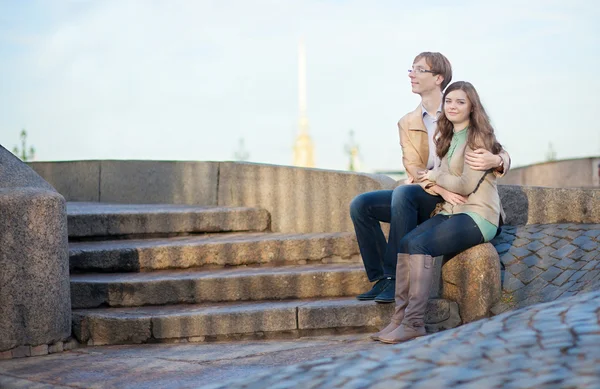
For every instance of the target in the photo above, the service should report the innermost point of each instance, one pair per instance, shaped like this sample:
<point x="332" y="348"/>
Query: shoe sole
<point x="398" y="341"/>
<point x="365" y="298"/>
<point x="380" y="301"/>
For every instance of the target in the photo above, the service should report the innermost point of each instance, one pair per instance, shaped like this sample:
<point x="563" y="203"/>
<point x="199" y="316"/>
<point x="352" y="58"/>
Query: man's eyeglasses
<point x="420" y="71"/>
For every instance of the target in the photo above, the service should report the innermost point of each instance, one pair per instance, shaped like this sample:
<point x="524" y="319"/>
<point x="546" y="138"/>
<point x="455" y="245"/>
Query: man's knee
<point x="406" y="194"/>
<point x="358" y="205"/>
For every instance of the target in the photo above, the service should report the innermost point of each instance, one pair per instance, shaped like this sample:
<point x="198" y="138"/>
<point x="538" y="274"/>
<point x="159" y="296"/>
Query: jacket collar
<point x="415" y="120"/>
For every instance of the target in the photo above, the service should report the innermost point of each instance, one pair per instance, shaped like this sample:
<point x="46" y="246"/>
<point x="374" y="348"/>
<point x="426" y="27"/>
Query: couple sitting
<point x="452" y="159"/>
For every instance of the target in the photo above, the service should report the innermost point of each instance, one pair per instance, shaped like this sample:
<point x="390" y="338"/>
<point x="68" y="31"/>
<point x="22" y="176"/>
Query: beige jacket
<point x="415" y="147"/>
<point x="479" y="187"/>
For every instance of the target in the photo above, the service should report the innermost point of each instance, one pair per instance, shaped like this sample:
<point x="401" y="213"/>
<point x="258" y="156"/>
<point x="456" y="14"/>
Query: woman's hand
<point x="422" y="175"/>
<point x="450" y="197"/>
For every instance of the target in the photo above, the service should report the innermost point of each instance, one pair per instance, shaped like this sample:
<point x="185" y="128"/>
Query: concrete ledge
<point x="535" y="205"/>
<point x="217" y="285"/>
<point x="195" y="322"/>
<point x="102" y="219"/>
<point x="298" y="199"/>
<point x="223" y="250"/>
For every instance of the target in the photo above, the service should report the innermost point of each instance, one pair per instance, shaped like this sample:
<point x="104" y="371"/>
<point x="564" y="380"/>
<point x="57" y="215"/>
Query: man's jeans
<point x="442" y="235"/>
<point x="404" y="208"/>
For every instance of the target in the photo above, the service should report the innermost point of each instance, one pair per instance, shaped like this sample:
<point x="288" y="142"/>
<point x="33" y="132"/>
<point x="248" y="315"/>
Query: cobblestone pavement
<point x="550" y="345"/>
<point x="546" y="262"/>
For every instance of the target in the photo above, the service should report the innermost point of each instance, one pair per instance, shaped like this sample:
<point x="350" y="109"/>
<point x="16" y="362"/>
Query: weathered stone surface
<point x="57" y="347"/>
<point x="336" y="313"/>
<point x="535" y="205"/>
<point x="200" y="250"/>
<point x="75" y="180"/>
<point x="320" y="198"/>
<point x="159" y="182"/>
<point x="472" y="279"/>
<point x="224" y="320"/>
<point x="95" y="329"/>
<point x="40" y="350"/>
<point x="216" y="285"/>
<point x="102" y="219"/>
<point x="34" y="277"/>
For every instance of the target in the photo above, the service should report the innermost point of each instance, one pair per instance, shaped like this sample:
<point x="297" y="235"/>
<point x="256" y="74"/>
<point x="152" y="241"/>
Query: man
<point x="409" y="205"/>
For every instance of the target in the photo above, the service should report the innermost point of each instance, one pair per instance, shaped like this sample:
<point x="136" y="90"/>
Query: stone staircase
<point x="177" y="273"/>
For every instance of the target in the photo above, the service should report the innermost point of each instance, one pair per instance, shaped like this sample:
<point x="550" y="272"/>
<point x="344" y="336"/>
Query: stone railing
<point x="35" y="302"/>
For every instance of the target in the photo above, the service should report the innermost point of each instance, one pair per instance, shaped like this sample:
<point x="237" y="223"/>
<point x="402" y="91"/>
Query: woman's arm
<point x="464" y="184"/>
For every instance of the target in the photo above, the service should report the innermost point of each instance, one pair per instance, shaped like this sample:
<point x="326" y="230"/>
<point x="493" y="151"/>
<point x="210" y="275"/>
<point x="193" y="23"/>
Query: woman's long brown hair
<point x="481" y="132"/>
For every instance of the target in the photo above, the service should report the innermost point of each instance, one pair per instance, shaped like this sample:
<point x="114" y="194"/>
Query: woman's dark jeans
<point x="442" y="235"/>
<point x="404" y="208"/>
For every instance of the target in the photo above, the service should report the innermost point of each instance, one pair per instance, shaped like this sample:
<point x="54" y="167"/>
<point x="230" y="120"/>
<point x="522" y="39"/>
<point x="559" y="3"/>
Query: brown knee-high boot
<point x="402" y="282"/>
<point x="413" y="323"/>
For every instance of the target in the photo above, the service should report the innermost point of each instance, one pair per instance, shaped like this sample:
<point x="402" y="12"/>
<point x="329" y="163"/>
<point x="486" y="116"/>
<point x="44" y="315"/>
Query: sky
<point x="187" y="79"/>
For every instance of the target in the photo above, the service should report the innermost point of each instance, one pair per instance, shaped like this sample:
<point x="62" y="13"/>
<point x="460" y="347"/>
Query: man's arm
<point x="464" y="184"/>
<point x="482" y="159"/>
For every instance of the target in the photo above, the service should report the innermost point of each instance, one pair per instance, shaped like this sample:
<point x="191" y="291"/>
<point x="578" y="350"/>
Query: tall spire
<point x="303" y="146"/>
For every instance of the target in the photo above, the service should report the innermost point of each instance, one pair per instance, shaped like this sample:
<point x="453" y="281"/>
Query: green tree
<point x="23" y="154"/>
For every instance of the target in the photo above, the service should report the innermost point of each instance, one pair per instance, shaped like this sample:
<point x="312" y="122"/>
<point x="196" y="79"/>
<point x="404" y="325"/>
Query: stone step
<point x="217" y="285"/>
<point x="87" y="220"/>
<point x="226" y="249"/>
<point x="219" y="321"/>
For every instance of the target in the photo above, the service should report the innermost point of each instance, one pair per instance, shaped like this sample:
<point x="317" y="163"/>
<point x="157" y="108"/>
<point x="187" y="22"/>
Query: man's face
<point x="423" y="82"/>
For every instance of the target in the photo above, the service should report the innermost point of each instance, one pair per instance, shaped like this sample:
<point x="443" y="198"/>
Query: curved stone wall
<point x="568" y="173"/>
<point x="35" y="303"/>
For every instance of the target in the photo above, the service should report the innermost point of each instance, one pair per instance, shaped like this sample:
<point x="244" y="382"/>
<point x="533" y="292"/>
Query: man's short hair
<point x="439" y="64"/>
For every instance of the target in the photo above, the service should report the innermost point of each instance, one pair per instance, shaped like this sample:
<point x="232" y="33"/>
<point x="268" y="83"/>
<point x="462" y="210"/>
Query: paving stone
<point x="551" y="273"/>
<point x="578" y="275"/>
<point x="577" y="265"/>
<point x="590" y="275"/>
<point x="581" y="240"/>
<point x="530" y="260"/>
<point x="564" y="251"/>
<point x="519" y="252"/>
<point x="590" y="246"/>
<point x="512" y="283"/>
<point x="529" y="274"/>
<point x="560" y="243"/>
<point x="577" y="254"/>
<point x="548" y="240"/>
<point x="592" y="233"/>
<point x="517" y="268"/>
<point x="520" y="242"/>
<point x="564" y="263"/>
<point x="508" y="259"/>
<point x="535" y="245"/>
<point x="546" y="261"/>
<point x="502" y="248"/>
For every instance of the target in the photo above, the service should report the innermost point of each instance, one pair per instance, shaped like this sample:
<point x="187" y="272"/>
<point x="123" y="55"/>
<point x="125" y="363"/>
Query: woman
<point x="463" y="126"/>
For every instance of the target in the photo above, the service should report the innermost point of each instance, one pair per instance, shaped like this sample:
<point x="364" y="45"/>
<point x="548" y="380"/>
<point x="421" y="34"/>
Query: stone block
<point x="96" y="328"/>
<point x="320" y="199"/>
<point x="21" y="351"/>
<point x="159" y="182"/>
<point x="40" y="350"/>
<point x="57" y="347"/>
<point x="536" y="205"/>
<point x="34" y="281"/>
<point x="71" y="344"/>
<point x="75" y="180"/>
<point x="472" y="279"/>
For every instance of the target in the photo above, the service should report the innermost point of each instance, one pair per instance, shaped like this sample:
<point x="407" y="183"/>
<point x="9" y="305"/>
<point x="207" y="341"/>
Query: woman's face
<point x="457" y="106"/>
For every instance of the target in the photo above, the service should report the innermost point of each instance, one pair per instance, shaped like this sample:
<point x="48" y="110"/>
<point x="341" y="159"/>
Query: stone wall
<point x="298" y="199"/>
<point x="35" y="303"/>
<point x="569" y="173"/>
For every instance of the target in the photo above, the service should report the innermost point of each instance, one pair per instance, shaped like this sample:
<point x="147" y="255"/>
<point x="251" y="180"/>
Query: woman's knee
<point x="404" y="194"/>
<point x="416" y="246"/>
